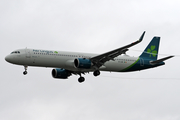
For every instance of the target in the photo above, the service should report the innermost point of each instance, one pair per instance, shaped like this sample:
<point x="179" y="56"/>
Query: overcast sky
<point x="93" y="26"/>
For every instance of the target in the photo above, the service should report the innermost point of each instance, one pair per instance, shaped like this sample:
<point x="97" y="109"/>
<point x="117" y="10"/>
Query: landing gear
<point x="96" y="73"/>
<point x="81" y="79"/>
<point x="25" y="72"/>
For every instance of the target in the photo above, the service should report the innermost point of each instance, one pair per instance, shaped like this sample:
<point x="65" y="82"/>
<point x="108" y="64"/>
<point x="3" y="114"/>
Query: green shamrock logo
<point x="152" y="51"/>
<point x="56" y="52"/>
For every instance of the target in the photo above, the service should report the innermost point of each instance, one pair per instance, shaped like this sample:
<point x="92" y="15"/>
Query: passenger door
<point x="28" y="53"/>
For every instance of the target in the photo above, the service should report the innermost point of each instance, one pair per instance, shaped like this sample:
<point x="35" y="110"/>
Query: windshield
<point x="15" y="52"/>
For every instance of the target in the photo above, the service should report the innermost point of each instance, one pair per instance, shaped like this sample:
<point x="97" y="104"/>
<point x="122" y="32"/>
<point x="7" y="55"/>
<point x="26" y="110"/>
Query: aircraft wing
<point x="99" y="60"/>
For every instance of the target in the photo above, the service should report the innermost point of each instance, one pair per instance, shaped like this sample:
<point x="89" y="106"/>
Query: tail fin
<point x="151" y="51"/>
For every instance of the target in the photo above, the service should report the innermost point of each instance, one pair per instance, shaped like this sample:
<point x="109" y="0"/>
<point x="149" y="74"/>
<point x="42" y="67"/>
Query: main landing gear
<point x="25" y="72"/>
<point x="82" y="79"/>
<point x="96" y="73"/>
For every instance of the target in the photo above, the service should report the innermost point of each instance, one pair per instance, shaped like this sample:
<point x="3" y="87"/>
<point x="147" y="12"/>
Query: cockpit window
<point x="15" y="52"/>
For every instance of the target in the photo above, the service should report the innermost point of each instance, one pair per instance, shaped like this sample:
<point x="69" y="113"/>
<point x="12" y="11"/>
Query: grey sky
<point x="95" y="26"/>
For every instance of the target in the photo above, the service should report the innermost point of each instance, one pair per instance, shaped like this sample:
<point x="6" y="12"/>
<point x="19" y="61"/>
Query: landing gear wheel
<point x="81" y="79"/>
<point x="25" y="72"/>
<point x="96" y="73"/>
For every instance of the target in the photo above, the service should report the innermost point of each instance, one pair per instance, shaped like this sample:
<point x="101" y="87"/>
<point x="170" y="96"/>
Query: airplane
<point x="67" y="63"/>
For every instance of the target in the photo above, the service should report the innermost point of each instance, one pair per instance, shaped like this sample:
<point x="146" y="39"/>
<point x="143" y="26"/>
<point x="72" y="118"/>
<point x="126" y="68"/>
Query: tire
<point x="96" y="73"/>
<point x="81" y="79"/>
<point x="25" y="72"/>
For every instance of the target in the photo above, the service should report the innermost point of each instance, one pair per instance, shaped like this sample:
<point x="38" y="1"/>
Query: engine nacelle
<point x="60" y="73"/>
<point x="82" y="63"/>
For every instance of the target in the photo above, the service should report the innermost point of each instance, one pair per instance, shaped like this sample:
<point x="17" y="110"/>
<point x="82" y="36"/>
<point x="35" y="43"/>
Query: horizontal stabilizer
<point x="160" y="60"/>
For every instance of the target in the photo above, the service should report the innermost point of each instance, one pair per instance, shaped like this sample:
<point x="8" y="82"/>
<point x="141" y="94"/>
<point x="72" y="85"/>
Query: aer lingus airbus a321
<point x="67" y="63"/>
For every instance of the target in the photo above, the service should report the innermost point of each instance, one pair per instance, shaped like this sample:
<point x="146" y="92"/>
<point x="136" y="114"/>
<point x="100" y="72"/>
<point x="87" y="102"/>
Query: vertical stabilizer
<point x="151" y="51"/>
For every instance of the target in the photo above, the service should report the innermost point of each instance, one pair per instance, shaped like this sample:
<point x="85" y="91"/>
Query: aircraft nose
<point x="8" y="58"/>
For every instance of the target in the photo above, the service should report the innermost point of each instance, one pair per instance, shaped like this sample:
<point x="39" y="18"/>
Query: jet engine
<point x="82" y="63"/>
<point x="60" y="73"/>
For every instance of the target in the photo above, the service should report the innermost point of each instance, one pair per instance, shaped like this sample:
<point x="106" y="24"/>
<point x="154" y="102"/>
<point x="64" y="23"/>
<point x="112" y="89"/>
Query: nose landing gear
<point x="25" y="72"/>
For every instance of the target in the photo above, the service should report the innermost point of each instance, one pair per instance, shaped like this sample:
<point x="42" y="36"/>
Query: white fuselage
<point x="60" y="59"/>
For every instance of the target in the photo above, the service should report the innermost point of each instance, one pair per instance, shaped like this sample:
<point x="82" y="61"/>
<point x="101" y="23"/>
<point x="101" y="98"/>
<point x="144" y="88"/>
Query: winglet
<point x="141" y="38"/>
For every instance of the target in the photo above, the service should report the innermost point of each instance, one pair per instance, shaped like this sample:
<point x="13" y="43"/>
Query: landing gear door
<point x="28" y="53"/>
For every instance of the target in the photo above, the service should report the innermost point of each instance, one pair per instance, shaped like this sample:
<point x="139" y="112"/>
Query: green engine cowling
<point x="82" y="63"/>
